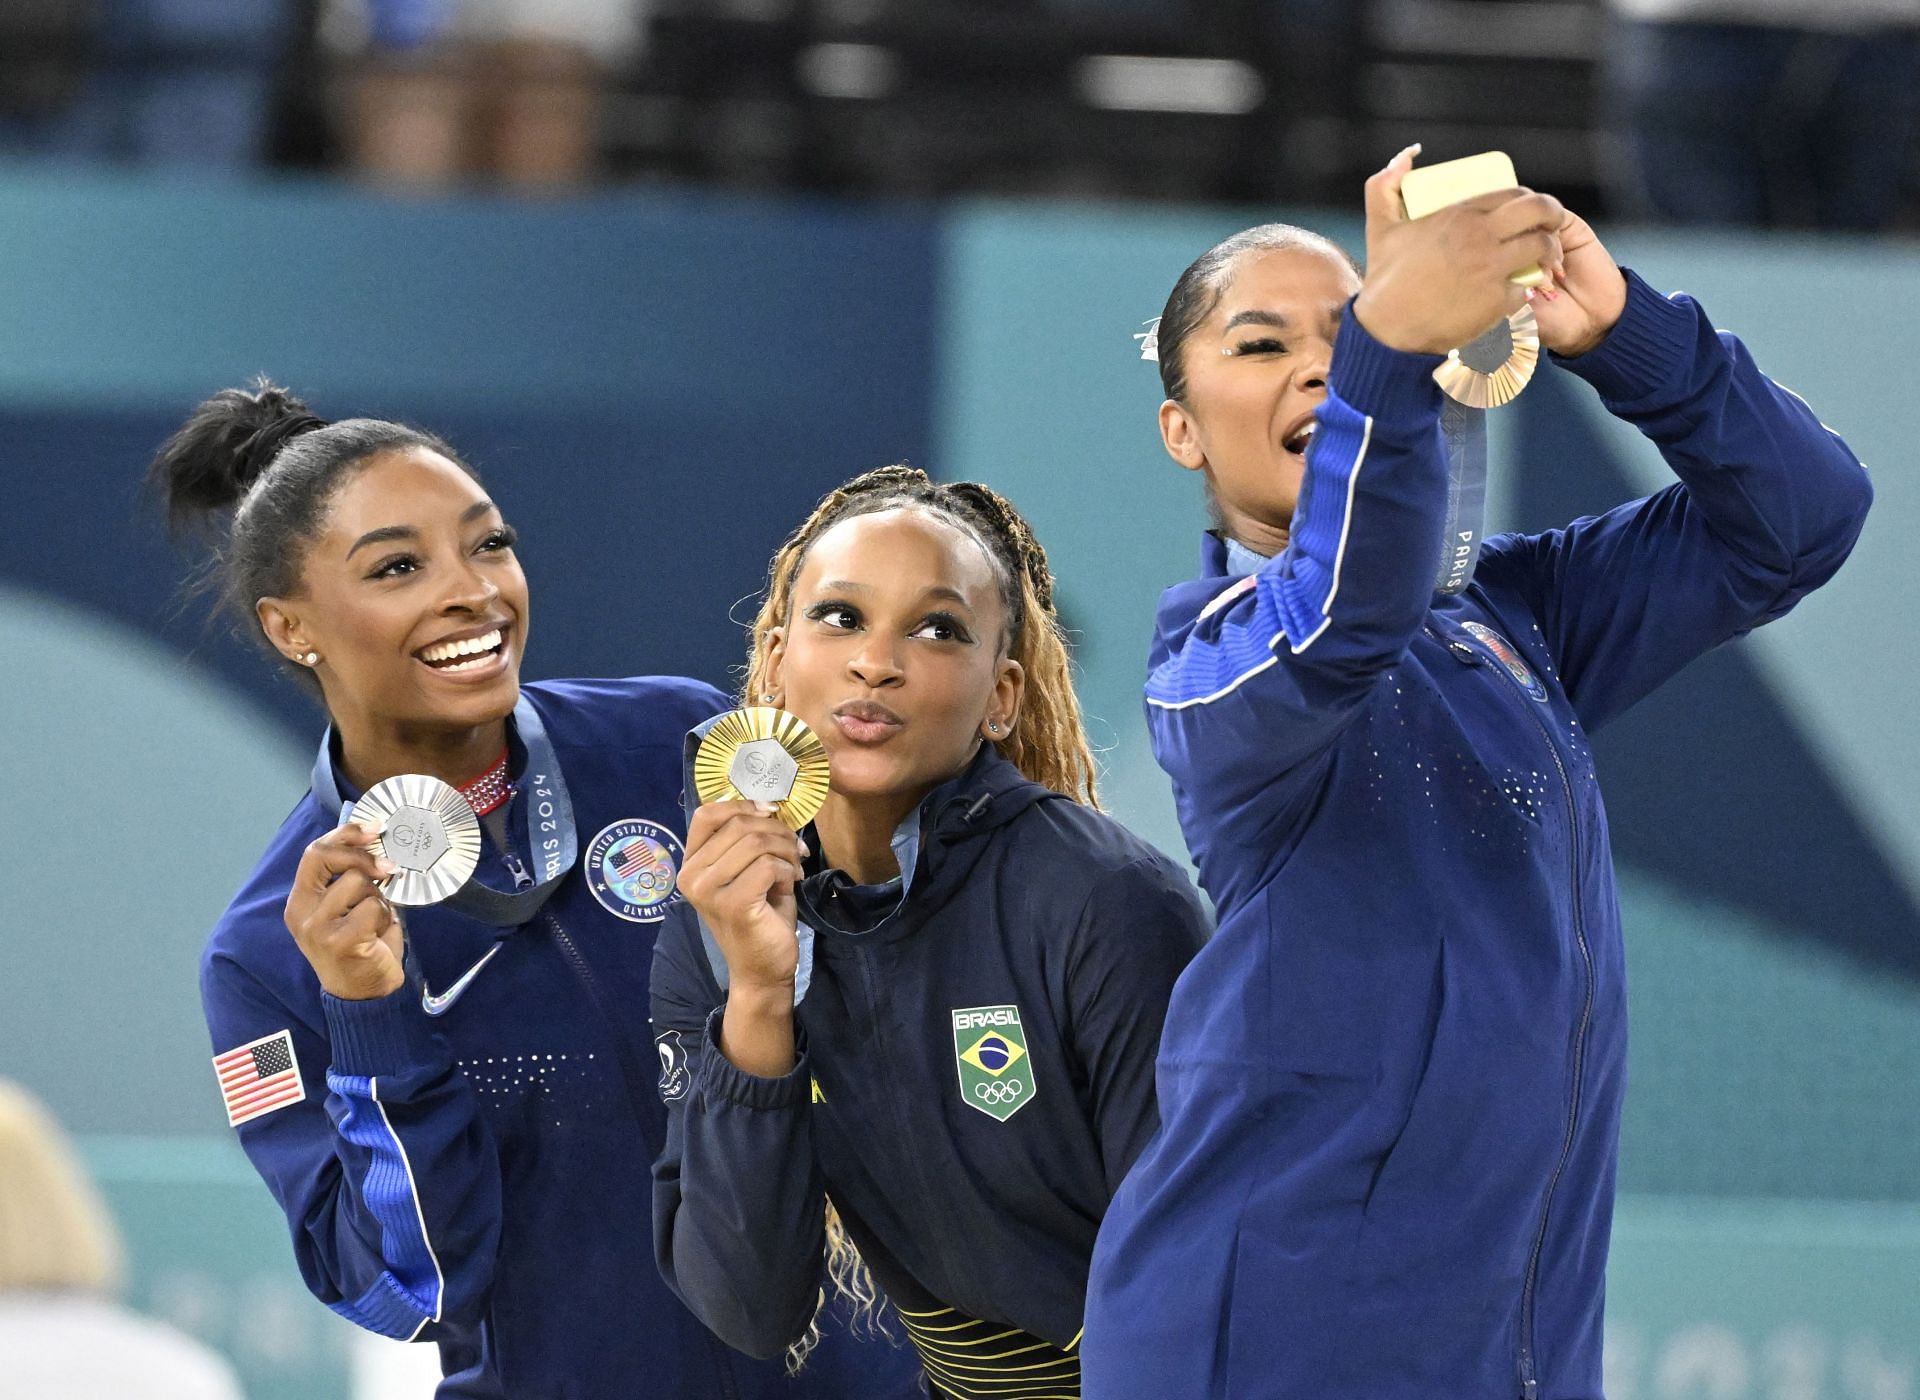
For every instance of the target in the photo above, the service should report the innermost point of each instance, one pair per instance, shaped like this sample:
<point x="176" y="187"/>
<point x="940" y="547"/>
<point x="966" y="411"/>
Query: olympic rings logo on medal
<point x="633" y="869"/>
<point x="1000" y="1091"/>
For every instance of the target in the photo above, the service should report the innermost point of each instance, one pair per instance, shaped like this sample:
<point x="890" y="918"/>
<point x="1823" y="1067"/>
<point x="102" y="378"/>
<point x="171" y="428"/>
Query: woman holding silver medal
<point x="937" y="1008"/>
<point x="1392" y="1082"/>
<point x="453" y="1103"/>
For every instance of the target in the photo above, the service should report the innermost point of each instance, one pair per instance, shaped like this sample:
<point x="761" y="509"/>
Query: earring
<point x="767" y="699"/>
<point x="993" y="726"/>
<point x="312" y="658"/>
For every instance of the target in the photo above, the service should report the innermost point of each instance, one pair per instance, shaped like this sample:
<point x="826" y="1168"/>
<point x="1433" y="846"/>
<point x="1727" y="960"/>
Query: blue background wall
<point x="657" y="385"/>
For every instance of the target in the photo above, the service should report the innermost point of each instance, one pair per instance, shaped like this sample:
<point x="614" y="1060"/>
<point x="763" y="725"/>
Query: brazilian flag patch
<point x="990" y="1051"/>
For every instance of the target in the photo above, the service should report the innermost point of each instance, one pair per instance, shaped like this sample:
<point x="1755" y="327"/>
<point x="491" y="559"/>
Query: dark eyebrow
<point x="939" y="591"/>
<point x="385" y="532"/>
<point x="407" y="532"/>
<point x="1257" y="318"/>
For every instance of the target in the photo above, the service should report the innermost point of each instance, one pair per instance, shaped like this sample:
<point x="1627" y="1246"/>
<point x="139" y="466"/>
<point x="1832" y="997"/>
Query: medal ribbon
<point x="553" y="841"/>
<point x="1464" y="430"/>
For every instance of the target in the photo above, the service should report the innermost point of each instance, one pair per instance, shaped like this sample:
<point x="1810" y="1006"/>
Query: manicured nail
<point x="765" y="809"/>
<point x="385" y="867"/>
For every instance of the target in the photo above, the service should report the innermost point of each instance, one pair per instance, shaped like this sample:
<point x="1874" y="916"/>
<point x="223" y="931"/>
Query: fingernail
<point x="1551" y="295"/>
<point x="765" y="809"/>
<point x="1412" y="150"/>
<point x="385" y="866"/>
<point x="1528" y="296"/>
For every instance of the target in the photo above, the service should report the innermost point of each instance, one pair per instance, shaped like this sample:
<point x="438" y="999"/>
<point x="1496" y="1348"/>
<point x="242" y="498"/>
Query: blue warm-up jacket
<point x="465" y="1161"/>
<point x="976" y="1075"/>
<point x="1391" y="1084"/>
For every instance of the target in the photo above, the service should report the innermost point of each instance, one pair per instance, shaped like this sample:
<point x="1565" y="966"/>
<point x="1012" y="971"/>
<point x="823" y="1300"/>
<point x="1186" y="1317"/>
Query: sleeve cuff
<point x="1648" y="351"/>
<point x="1379" y="381"/>
<point x="385" y="1036"/>
<point x="721" y="1077"/>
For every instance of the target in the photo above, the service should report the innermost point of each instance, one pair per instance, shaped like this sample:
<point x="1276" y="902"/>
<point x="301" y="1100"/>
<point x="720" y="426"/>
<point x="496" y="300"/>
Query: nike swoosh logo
<point x="437" y="1005"/>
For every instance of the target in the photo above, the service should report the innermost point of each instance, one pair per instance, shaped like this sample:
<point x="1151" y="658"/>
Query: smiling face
<point x="1255" y="371"/>
<point x="412" y="598"/>
<point x="895" y="653"/>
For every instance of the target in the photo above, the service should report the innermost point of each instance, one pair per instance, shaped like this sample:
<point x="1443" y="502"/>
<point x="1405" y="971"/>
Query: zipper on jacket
<point x="591" y="984"/>
<point x="1529" y="1381"/>
<point x="929" y="1202"/>
<point x="522" y="878"/>
<point x="628" y="1073"/>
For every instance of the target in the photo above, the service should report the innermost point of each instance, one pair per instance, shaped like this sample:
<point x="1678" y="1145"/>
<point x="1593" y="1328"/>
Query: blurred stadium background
<point x="795" y="240"/>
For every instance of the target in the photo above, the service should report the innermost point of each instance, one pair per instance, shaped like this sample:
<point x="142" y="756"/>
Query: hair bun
<point x="223" y="447"/>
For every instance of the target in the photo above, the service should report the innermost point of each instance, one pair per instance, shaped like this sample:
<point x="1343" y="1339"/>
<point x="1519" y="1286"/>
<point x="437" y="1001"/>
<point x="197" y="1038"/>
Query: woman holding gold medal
<point x="937" y="1006"/>
<point x="453" y="1102"/>
<point x="1392" y="1081"/>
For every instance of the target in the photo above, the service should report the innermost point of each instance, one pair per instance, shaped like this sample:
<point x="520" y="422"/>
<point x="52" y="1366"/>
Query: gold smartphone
<point x="1434" y="187"/>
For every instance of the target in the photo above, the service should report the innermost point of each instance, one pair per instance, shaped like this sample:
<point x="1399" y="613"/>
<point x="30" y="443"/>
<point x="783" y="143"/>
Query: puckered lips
<point x="477" y="653"/>
<point x="867" y="721"/>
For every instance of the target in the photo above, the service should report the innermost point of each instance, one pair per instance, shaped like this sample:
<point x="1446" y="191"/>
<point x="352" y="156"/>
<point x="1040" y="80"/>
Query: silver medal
<point x="428" y="830"/>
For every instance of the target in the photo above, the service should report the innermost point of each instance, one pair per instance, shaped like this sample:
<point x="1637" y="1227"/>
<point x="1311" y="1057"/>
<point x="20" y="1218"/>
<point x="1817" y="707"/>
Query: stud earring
<point x="312" y="658"/>
<point x="767" y="699"/>
<point x="993" y="726"/>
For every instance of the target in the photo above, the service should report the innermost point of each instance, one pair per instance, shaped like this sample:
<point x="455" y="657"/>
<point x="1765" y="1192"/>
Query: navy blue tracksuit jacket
<point x="1391" y="1084"/>
<point x="976" y="1076"/>
<point x="465" y="1161"/>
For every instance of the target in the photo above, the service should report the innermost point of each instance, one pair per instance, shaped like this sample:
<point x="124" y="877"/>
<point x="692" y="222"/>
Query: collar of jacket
<point x="1239" y="559"/>
<point x="1183" y="604"/>
<point x="954" y="820"/>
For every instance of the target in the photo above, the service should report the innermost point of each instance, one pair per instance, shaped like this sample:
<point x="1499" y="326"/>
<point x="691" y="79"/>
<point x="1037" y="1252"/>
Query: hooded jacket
<point x="1392" y="1082"/>
<point x="464" y="1161"/>
<point x="975" y="1076"/>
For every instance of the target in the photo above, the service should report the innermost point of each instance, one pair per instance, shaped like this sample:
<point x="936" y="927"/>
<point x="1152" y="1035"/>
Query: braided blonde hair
<point x="1047" y="743"/>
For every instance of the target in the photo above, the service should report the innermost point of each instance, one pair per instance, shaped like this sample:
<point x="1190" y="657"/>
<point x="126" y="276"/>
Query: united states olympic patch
<point x="633" y="868"/>
<point x="1509" y="658"/>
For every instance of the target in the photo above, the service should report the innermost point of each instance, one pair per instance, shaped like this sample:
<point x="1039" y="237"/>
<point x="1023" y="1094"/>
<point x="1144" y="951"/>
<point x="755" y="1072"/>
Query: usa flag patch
<point x="259" y="1077"/>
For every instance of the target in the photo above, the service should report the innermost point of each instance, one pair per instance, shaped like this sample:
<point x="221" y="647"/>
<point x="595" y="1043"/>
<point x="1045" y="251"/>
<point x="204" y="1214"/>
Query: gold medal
<point x="762" y="754"/>
<point x="1492" y="369"/>
<point x="428" y="830"/>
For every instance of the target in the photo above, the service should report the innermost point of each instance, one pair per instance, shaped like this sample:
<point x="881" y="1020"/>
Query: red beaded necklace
<point x="490" y="789"/>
